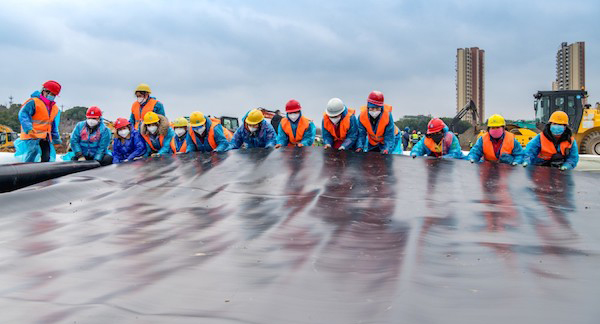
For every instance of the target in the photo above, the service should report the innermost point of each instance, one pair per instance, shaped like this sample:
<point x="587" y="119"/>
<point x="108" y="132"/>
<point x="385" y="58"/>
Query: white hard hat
<point x="335" y="106"/>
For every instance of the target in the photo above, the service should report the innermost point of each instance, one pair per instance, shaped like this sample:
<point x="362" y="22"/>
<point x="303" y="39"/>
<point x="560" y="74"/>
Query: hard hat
<point x="406" y="129"/>
<point x="335" y="106"/>
<point x="496" y="121"/>
<point x="93" y="112"/>
<point x="254" y="117"/>
<point x="121" y="122"/>
<point x="376" y="98"/>
<point x="143" y="88"/>
<point x="559" y="117"/>
<point x="150" y="118"/>
<point x="180" y="122"/>
<point x="418" y="133"/>
<point x="435" y="125"/>
<point x="52" y="86"/>
<point x="197" y="119"/>
<point x="292" y="106"/>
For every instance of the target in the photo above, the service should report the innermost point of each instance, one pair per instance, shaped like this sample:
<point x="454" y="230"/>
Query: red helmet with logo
<point x="376" y="98"/>
<point x="93" y="112"/>
<point x="292" y="106"/>
<point x="52" y="86"/>
<point x="121" y="122"/>
<point x="435" y="125"/>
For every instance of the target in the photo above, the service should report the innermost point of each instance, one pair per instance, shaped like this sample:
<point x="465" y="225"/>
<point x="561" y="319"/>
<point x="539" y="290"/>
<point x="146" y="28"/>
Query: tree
<point x="419" y="123"/>
<point x="76" y="113"/>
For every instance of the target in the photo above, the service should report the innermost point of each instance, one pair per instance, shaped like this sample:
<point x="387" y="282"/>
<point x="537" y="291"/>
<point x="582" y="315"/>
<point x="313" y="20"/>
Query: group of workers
<point x="149" y="133"/>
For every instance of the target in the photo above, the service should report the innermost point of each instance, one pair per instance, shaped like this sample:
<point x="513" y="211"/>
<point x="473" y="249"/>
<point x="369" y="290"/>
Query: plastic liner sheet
<point x="303" y="236"/>
<point x="19" y="175"/>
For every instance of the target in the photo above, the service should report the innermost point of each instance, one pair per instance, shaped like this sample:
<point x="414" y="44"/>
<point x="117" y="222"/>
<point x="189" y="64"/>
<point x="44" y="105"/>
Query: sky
<point x="227" y="57"/>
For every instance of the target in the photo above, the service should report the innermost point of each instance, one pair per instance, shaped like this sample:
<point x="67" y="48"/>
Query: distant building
<point x="570" y="67"/>
<point x="470" y="81"/>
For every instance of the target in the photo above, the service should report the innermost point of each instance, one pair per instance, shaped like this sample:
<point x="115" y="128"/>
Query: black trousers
<point x="45" y="146"/>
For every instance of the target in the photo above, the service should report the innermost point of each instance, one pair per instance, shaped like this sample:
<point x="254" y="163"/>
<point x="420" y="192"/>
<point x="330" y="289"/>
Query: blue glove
<point x="563" y="168"/>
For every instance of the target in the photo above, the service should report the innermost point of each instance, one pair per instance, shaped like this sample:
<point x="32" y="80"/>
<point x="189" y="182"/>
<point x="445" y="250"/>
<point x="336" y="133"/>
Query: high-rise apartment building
<point x="570" y="67"/>
<point x="470" y="81"/>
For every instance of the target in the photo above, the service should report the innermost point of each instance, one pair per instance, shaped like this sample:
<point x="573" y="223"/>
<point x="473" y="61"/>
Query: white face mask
<point x="200" y="130"/>
<point x="375" y="113"/>
<point x="141" y="99"/>
<point x="180" y="131"/>
<point x="335" y="120"/>
<point x="252" y="129"/>
<point x="123" y="132"/>
<point x="92" y="122"/>
<point x="152" y="129"/>
<point x="294" y="116"/>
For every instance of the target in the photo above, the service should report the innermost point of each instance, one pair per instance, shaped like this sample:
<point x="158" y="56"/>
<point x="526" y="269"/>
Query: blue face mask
<point x="557" y="130"/>
<point x="50" y="97"/>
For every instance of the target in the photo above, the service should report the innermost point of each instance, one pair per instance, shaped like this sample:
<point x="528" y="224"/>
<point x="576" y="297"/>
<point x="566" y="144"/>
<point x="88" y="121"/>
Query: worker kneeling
<point x="376" y="129"/>
<point x="497" y="145"/>
<point x="295" y="129"/>
<point x="439" y="142"/>
<point x="340" y="128"/>
<point x="255" y="133"/>
<point x="207" y="135"/>
<point x="128" y="144"/>
<point x="182" y="141"/>
<point x="157" y="133"/>
<point x="555" y="146"/>
<point x="90" y="138"/>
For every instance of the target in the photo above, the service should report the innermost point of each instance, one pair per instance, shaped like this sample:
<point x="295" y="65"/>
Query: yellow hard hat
<point x="254" y="117"/>
<point x="143" y="88"/>
<point x="151" y="118"/>
<point x="496" y="121"/>
<point x="197" y="119"/>
<point x="180" y="122"/>
<point x="559" y="117"/>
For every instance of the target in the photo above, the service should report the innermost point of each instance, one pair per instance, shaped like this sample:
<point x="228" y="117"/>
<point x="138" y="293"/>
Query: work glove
<point x="342" y="148"/>
<point x="155" y="155"/>
<point x="358" y="150"/>
<point x="471" y="160"/>
<point x="299" y="145"/>
<point x="525" y="164"/>
<point x="277" y="146"/>
<point x="81" y="159"/>
<point x="563" y="168"/>
<point x="514" y="163"/>
<point x="138" y="158"/>
<point x="327" y="146"/>
<point x="385" y="152"/>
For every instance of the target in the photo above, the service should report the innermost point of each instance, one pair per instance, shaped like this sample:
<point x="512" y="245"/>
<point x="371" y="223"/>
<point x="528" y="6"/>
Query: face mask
<point x="557" y="130"/>
<point x="437" y="137"/>
<point x="496" y="132"/>
<point x="123" y="132"/>
<point x="335" y="120"/>
<point x="374" y="113"/>
<point x="180" y="131"/>
<point x="92" y="122"/>
<point x="252" y="129"/>
<point x="293" y="116"/>
<point x="141" y="99"/>
<point x="50" y="97"/>
<point x="152" y="129"/>
<point x="199" y="130"/>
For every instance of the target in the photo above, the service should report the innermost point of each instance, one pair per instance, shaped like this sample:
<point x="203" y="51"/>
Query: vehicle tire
<point x="591" y="144"/>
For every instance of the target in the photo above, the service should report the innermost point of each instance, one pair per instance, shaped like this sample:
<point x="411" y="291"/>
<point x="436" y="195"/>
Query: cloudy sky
<point x="226" y="57"/>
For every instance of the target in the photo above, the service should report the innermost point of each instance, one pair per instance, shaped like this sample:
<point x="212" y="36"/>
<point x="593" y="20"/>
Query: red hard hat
<point x="435" y="125"/>
<point x="121" y="122"/>
<point x="376" y="98"/>
<point x="292" y="106"/>
<point x="93" y="112"/>
<point x="52" y="86"/>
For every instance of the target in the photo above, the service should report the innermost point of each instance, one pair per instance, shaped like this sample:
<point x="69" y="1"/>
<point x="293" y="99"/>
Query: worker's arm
<point x="132" y="121"/>
<point x="189" y="143"/>
<point x="309" y="135"/>
<point x="532" y="150"/>
<point x="573" y="157"/>
<point x="238" y="139"/>
<point x="222" y="142"/>
<point x="352" y="134"/>
<point x="105" y="138"/>
<point x="361" y="142"/>
<point x="282" y="138"/>
<point x="455" y="151"/>
<point x="141" y="148"/>
<point x="54" y="132"/>
<point x="518" y="153"/>
<point x="389" y="137"/>
<point x="270" y="135"/>
<point x="327" y="137"/>
<point x="166" y="147"/>
<point x="25" y="114"/>
<point x="76" y="138"/>
<point x="419" y="149"/>
<point x="476" y="151"/>
<point x="117" y="157"/>
<point x="159" y="108"/>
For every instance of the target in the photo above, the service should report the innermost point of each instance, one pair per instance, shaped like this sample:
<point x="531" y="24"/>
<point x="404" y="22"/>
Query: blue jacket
<point x="95" y="145"/>
<point x="265" y="137"/>
<point x="307" y="140"/>
<point x="179" y="142"/>
<point x="158" y="108"/>
<point x="351" y="137"/>
<point x="390" y="140"/>
<point x="535" y="146"/>
<point x="25" y="119"/>
<point x="454" y="151"/>
<point x="203" y="144"/>
<point x="517" y="155"/>
<point x="163" y="129"/>
<point x="130" y="148"/>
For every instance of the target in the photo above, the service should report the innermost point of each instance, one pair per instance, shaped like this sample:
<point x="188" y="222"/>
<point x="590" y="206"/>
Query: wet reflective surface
<point x="303" y="236"/>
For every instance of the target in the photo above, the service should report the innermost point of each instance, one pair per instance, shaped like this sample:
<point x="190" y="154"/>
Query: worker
<point x="414" y="138"/>
<point x="207" y="135"/>
<point x="128" y="144"/>
<point x="182" y="141"/>
<point x="91" y="138"/>
<point x="497" y="145"/>
<point x="295" y="129"/>
<point x="144" y="104"/>
<point x="340" y="127"/>
<point x="376" y="129"/>
<point x="439" y="142"/>
<point x="157" y="133"/>
<point x="406" y="137"/>
<point x="257" y="132"/>
<point x="276" y="120"/>
<point x="555" y="146"/>
<point x="38" y="126"/>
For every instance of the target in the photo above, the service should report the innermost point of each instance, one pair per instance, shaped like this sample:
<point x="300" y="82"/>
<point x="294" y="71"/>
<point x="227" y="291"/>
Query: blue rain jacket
<point x="535" y="146"/>
<point x="95" y="145"/>
<point x="130" y="148"/>
<point x="390" y="140"/>
<point x="25" y="119"/>
<point x="203" y="143"/>
<point x="309" y="135"/>
<point x="518" y="154"/>
<point x="158" y="108"/>
<point x="351" y="137"/>
<point x="453" y="153"/>
<point x="179" y="142"/>
<point x="265" y="137"/>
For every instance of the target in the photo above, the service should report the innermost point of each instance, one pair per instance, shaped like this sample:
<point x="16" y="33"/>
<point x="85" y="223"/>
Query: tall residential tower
<point x="470" y="81"/>
<point x="570" y="67"/>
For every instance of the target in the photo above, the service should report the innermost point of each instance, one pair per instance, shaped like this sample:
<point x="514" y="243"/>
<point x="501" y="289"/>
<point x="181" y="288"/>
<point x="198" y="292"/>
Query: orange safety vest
<point x="443" y="148"/>
<point x="228" y="134"/>
<point x="508" y="145"/>
<point x="548" y="149"/>
<point x="376" y="138"/>
<point x="344" y="126"/>
<point x="41" y="120"/>
<point x="183" y="147"/>
<point x="286" y="126"/>
<point x="210" y="136"/>
<point x="161" y="139"/>
<point x="135" y="110"/>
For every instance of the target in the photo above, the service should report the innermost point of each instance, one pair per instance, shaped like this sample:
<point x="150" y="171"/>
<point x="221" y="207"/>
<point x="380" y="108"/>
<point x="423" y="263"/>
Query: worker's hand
<point x="277" y="146"/>
<point x="514" y="163"/>
<point x="155" y="154"/>
<point x="300" y="145"/>
<point x="525" y="164"/>
<point x="563" y="168"/>
<point x="81" y="159"/>
<point x="138" y="158"/>
<point x="413" y="156"/>
<point x="358" y="150"/>
<point x="385" y="152"/>
<point x="327" y="146"/>
<point x="342" y="148"/>
<point x="179" y="153"/>
<point x="471" y="160"/>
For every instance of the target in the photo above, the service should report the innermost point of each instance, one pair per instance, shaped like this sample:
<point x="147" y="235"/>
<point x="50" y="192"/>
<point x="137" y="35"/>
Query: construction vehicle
<point x="7" y="138"/>
<point x="584" y="121"/>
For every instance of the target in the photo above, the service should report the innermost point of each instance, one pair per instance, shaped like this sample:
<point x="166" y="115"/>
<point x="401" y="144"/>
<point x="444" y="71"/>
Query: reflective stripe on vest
<point x="443" y="148"/>
<point x="41" y="121"/>
<point x="508" y="144"/>
<point x="286" y="126"/>
<point x="384" y="119"/>
<point x="548" y="149"/>
<point x="135" y="110"/>
<point x="183" y="147"/>
<point x="161" y="139"/>
<point x="344" y="126"/>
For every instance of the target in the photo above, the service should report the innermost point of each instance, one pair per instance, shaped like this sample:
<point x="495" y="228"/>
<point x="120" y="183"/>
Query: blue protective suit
<point x="179" y="142"/>
<point x="29" y="150"/>
<point x="130" y="148"/>
<point x="454" y="152"/>
<point x="307" y="139"/>
<point x="97" y="141"/>
<point x="203" y="145"/>
<point x="517" y="156"/>
<point x="391" y="142"/>
<point x="28" y="110"/>
<point x="265" y="138"/>
<point x="534" y="147"/>
<point x="163" y="129"/>
<point x="351" y="137"/>
<point x="158" y="108"/>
